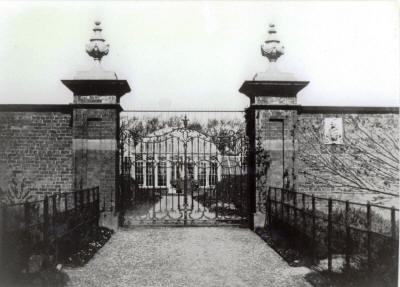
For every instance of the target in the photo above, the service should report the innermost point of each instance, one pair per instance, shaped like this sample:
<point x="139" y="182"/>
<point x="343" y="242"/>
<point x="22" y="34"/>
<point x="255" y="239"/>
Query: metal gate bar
<point x="181" y="173"/>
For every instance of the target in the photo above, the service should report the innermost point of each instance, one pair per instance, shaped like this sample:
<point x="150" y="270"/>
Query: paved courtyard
<point x="197" y="256"/>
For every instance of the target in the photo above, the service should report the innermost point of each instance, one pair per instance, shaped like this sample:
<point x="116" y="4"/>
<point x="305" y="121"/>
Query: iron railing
<point x="362" y="235"/>
<point x="52" y="226"/>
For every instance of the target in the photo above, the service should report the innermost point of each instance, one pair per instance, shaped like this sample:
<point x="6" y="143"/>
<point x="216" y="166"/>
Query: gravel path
<point x="197" y="256"/>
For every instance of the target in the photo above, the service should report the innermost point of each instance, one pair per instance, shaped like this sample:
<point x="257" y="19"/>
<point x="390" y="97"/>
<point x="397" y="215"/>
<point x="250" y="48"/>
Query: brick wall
<point x="59" y="148"/>
<point x="293" y="139"/>
<point x="95" y="151"/>
<point x="366" y="161"/>
<point x="36" y="145"/>
<point x="275" y="153"/>
<point x="274" y="134"/>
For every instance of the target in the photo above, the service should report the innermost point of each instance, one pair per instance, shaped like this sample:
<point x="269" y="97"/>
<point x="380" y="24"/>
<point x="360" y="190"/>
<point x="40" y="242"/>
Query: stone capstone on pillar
<point x="96" y="127"/>
<point x="273" y="102"/>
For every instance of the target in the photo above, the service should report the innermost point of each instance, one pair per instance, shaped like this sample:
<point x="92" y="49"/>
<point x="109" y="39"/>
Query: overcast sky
<point x="196" y="55"/>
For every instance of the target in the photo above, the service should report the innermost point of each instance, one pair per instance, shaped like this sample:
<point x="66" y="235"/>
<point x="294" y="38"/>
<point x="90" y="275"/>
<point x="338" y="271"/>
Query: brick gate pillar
<point x="95" y="123"/>
<point x="272" y="118"/>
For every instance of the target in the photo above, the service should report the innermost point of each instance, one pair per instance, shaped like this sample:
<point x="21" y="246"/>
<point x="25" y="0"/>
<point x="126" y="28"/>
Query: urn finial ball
<point x="102" y="86"/>
<point x="97" y="48"/>
<point x="272" y="48"/>
<point x="272" y="87"/>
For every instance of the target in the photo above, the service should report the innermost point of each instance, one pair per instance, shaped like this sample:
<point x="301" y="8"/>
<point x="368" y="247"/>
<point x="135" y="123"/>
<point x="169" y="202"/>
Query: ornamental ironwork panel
<point x="184" y="173"/>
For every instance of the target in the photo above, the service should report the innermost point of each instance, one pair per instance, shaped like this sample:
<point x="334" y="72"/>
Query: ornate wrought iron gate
<point x="183" y="175"/>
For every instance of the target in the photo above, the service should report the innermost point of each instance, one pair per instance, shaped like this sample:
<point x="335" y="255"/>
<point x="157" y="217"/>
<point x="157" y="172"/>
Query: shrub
<point x="230" y="190"/>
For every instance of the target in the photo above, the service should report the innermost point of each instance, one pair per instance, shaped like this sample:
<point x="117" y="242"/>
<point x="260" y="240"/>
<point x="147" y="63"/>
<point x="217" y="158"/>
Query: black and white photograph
<point x="199" y="143"/>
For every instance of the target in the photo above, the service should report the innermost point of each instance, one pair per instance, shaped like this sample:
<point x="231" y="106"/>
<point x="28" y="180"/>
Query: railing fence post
<point x="313" y="226"/>
<point x="104" y="201"/>
<point x="303" y="205"/>
<point x="287" y="207"/>
<point x="393" y="222"/>
<point x="54" y="206"/>
<point x="46" y="220"/>
<point x="26" y="226"/>
<point x="294" y="208"/>
<point x="98" y="202"/>
<point x="65" y="203"/>
<point x="88" y="197"/>
<point x="125" y="194"/>
<point x="3" y="237"/>
<point x="81" y="198"/>
<point x="282" y="206"/>
<point x="275" y="204"/>
<point x="93" y="197"/>
<point x="330" y="234"/>
<point x="27" y="216"/>
<point x="76" y="200"/>
<point x="269" y="206"/>
<point x="369" y="235"/>
<point x="348" y="239"/>
<point x="394" y="237"/>
<point x="54" y="223"/>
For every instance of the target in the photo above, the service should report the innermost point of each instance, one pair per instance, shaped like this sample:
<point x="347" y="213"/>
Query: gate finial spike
<point x="185" y="121"/>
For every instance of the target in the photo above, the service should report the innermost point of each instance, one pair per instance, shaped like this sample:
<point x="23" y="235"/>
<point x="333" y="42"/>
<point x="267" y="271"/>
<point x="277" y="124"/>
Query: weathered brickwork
<point x="274" y="134"/>
<point x="367" y="160"/>
<point x="275" y="100"/>
<point x="96" y="111"/>
<point x="275" y="146"/>
<point x="292" y="153"/>
<point x="95" y="123"/>
<point x="61" y="148"/>
<point x="49" y="151"/>
<point x="36" y="148"/>
<point x="95" y="99"/>
<point x="95" y="151"/>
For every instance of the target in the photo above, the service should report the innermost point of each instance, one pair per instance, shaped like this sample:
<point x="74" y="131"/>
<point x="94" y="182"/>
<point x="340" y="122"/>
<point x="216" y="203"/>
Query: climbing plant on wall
<point x="17" y="191"/>
<point x="368" y="159"/>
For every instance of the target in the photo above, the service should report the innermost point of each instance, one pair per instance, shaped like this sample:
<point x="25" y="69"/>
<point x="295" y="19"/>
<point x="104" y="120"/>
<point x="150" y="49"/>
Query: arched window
<point x="162" y="172"/>
<point x="149" y="171"/>
<point x="176" y="167"/>
<point x="139" y="169"/>
<point x="190" y="168"/>
<point x="202" y="175"/>
<point x="213" y="177"/>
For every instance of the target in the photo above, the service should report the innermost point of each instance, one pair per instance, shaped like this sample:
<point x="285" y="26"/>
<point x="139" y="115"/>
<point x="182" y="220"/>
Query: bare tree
<point x="368" y="159"/>
<point x="227" y="135"/>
